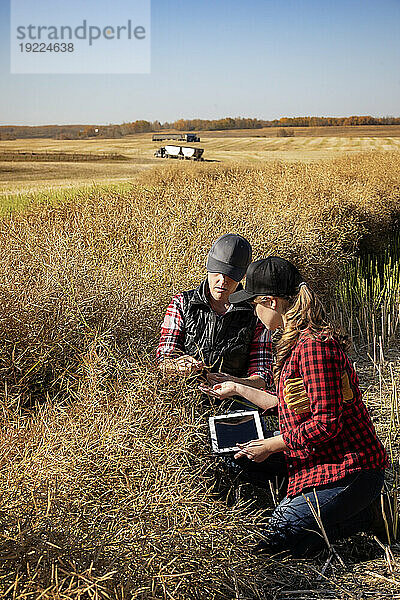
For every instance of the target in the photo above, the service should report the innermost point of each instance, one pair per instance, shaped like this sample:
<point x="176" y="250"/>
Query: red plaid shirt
<point x="173" y="336"/>
<point x="333" y="438"/>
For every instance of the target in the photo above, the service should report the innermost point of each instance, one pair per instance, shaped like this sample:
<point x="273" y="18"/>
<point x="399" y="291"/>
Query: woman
<point x="335" y="461"/>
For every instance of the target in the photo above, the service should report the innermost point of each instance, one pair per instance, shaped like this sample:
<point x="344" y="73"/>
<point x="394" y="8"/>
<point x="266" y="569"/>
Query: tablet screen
<point x="229" y="430"/>
<point x="232" y="431"/>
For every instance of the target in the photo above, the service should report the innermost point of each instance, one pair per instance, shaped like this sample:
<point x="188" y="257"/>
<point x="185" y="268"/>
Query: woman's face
<point x="270" y="311"/>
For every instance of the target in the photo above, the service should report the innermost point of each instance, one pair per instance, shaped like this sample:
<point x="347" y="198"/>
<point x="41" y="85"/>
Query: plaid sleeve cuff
<point x="171" y="342"/>
<point x="260" y="359"/>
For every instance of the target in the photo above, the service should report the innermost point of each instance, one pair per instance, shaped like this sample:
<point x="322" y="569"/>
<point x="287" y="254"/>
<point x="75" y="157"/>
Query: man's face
<point x="221" y="286"/>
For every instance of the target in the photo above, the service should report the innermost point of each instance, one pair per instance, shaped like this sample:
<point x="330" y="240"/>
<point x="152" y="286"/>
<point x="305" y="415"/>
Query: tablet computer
<point x="235" y="427"/>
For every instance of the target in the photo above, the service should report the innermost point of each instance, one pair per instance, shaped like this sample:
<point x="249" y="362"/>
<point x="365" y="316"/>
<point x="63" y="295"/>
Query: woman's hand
<point x="255" y="450"/>
<point x="259" y="450"/>
<point x="227" y="389"/>
<point x="214" y="378"/>
<point x="254" y="381"/>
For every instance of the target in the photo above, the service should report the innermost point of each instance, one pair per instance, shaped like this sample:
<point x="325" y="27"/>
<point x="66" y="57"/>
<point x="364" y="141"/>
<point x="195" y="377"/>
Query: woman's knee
<point x="289" y="522"/>
<point x="294" y="526"/>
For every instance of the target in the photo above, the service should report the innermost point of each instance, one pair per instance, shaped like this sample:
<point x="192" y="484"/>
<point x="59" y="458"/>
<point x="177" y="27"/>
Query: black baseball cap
<point x="272" y="276"/>
<point x="230" y="255"/>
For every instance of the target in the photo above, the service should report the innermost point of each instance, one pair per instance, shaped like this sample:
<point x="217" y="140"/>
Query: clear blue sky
<point x="216" y="58"/>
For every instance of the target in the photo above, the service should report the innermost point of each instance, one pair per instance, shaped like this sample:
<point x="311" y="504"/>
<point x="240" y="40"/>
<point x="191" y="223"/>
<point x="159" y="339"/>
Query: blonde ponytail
<point x="305" y="313"/>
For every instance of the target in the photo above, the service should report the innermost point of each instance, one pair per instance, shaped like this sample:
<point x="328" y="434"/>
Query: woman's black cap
<point x="272" y="276"/>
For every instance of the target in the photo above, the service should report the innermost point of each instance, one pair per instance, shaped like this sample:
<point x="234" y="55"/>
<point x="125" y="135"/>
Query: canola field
<point x="105" y="466"/>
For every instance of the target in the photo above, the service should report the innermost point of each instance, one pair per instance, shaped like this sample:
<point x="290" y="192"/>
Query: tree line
<point x="65" y="132"/>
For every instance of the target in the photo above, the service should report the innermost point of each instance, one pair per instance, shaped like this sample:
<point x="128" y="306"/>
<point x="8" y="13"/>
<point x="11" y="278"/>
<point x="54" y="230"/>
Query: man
<point x="202" y="330"/>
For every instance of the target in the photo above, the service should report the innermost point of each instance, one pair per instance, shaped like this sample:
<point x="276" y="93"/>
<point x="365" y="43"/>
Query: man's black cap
<point x="272" y="276"/>
<point x="230" y="255"/>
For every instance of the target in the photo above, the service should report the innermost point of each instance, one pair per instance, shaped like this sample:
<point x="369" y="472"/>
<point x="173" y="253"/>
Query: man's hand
<point x="227" y="389"/>
<point x="183" y="365"/>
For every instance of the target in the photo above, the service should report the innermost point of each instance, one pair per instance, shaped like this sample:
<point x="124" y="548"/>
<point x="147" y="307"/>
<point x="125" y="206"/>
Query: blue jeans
<point x="345" y="509"/>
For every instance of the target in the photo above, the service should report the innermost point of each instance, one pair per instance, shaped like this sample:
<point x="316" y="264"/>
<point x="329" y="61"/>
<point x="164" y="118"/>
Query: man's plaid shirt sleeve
<point x="260" y="357"/>
<point x="172" y="337"/>
<point x="320" y="368"/>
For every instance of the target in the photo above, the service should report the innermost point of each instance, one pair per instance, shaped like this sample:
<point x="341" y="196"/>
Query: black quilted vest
<point x="221" y="341"/>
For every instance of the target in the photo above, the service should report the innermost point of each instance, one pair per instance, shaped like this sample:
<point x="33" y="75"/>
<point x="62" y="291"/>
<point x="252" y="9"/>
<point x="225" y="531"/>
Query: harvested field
<point x="355" y="131"/>
<point x="236" y="147"/>
<point x="56" y="156"/>
<point x="26" y="177"/>
<point x="105" y="487"/>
